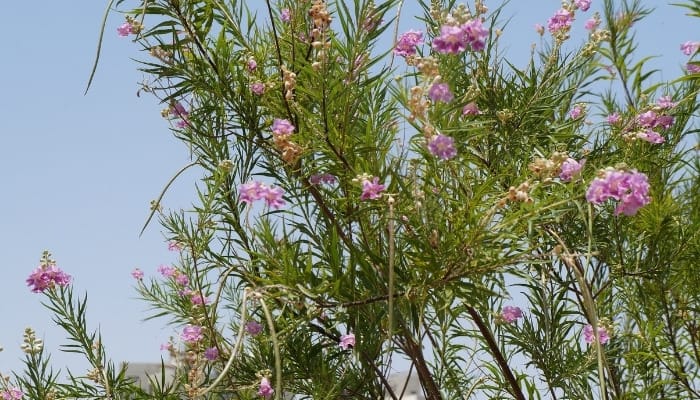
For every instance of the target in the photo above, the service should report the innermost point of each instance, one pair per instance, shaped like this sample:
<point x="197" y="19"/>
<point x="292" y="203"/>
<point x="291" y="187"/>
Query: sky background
<point x="79" y="171"/>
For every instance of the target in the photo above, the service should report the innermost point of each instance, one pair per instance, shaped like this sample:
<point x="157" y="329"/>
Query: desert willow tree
<point x="374" y="199"/>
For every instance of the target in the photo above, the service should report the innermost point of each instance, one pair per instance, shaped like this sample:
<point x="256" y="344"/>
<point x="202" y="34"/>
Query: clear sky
<point x="79" y="171"/>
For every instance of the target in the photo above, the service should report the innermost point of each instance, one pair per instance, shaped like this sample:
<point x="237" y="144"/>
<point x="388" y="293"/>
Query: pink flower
<point x="630" y="188"/>
<point x="371" y="190"/>
<point x="273" y="196"/>
<point x="198" y="299"/>
<point x="440" y="92"/>
<point x="664" y="121"/>
<point x="570" y="168"/>
<point x="407" y="43"/>
<point x="561" y="20"/>
<point x="282" y="127"/>
<point x="613" y="118"/>
<point x="124" y="29"/>
<point x="511" y="314"/>
<point x="452" y="40"/>
<point x="692" y="68"/>
<point x="178" y="110"/>
<point x="591" y="24"/>
<point x="251" y="65"/>
<point x="211" y="354"/>
<point x="347" y="341"/>
<point x="442" y="146"/>
<point x="47" y="277"/>
<point x="12" y="393"/>
<point x="475" y="34"/>
<point x="137" y="274"/>
<point x="317" y="179"/>
<point x="166" y="271"/>
<point x="257" y="88"/>
<point x="647" y="119"/>
<point x="576" y="112"/>
<point x="665" y="102"/>
<point x="689" y="47"/>
<point x="174" y="246"/>
<point x="651" y="137"/>
<point x="253" y="328"/>
<point x="265" y="389"/>
<point x="539" y="29"/>
<point x="471" y="109"/>
<point x="584" y="5"/>
<point x="182" y="279"/>
<point x="286" y="15"/>
<point x="589" y="337"/>
<point x="192" y="334"/>
<point x="250" y="192"/>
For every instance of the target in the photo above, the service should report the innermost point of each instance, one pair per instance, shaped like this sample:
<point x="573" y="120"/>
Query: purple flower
<point x="407" y="43"/>
<point x="282" y="127"/>
<point x="692" y="68"/>
<point x="570" y="168"/>
<point x="591" y="24"/>
<point x="576" y="112"/>
<point x="252" y="65"/>
<point x="273" y="196"/>
<point x="47" y="277"/>
<point x="286" y="15"/>
<point x="371" y="190"/>
<point x="689" y="47"/>
<point x="253" y="328"/>
<point x="174" y="246"/>
<point x="584" y="5"/>
<point x="651" y="137"/>
<point x="440" y="92"/>
<point x="561" y="20"/>
<point x="347" y="341"/>
<point x="475" y="34"/>
<point x="250" y="192"/>
<point x="137" y="274"/>
<point x="613" y="118"/>
<point x="166" y="271"/>
<point x="442" y="146"/>
<point x="589" y="337"/>
<point x="211" y="354"/>
<point x="452" y="40"/>
<point x="510" y="314"/>
<point x="124" y="29"/>
<point x="317" y="179"/>
<point x="182" y="279"/>
<point x="664" y="121"/>
<point x="630" y="188"/>
<point x="198" y="299"/>
<point x="192" y="334"/>
<point x="665" y="102"/>
<point x="12" y="393"/>
<point x="257" y="88"/>
<point x="471" y="109"/>
<point x="265" y="389"/>
<point x="647" y="119"/>
<point x="178" y="110"/>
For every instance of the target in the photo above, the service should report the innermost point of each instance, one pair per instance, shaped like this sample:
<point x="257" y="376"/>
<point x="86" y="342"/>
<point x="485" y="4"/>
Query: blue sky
<point x="79" y="171"/>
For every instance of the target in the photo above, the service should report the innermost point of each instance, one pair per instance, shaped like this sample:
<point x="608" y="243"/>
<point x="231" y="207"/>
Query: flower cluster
<point x="589" y="336"/>
<point x="560" y="21"/>
<point x="440" y="92"/>
<point x="252" y="191"/>
<point x="192" y="334"/>
<point x="442" y="146"/>
<point x="407" y="43"/>
<point x="12" y="393"/>
<point x="570" y="168"/>
<point x="583" y="5"/>
<point x="253" y="328"/>
<point x="455" y="39"/>
<point x="371" y="188"/>
<point x="47" y="276"/>
<point x="265" y="389"/>
<point x="511" y="314"/>
<point x="282" y="131"/>
<point x="326" y="178"/>
<point x="630" y="188"/>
